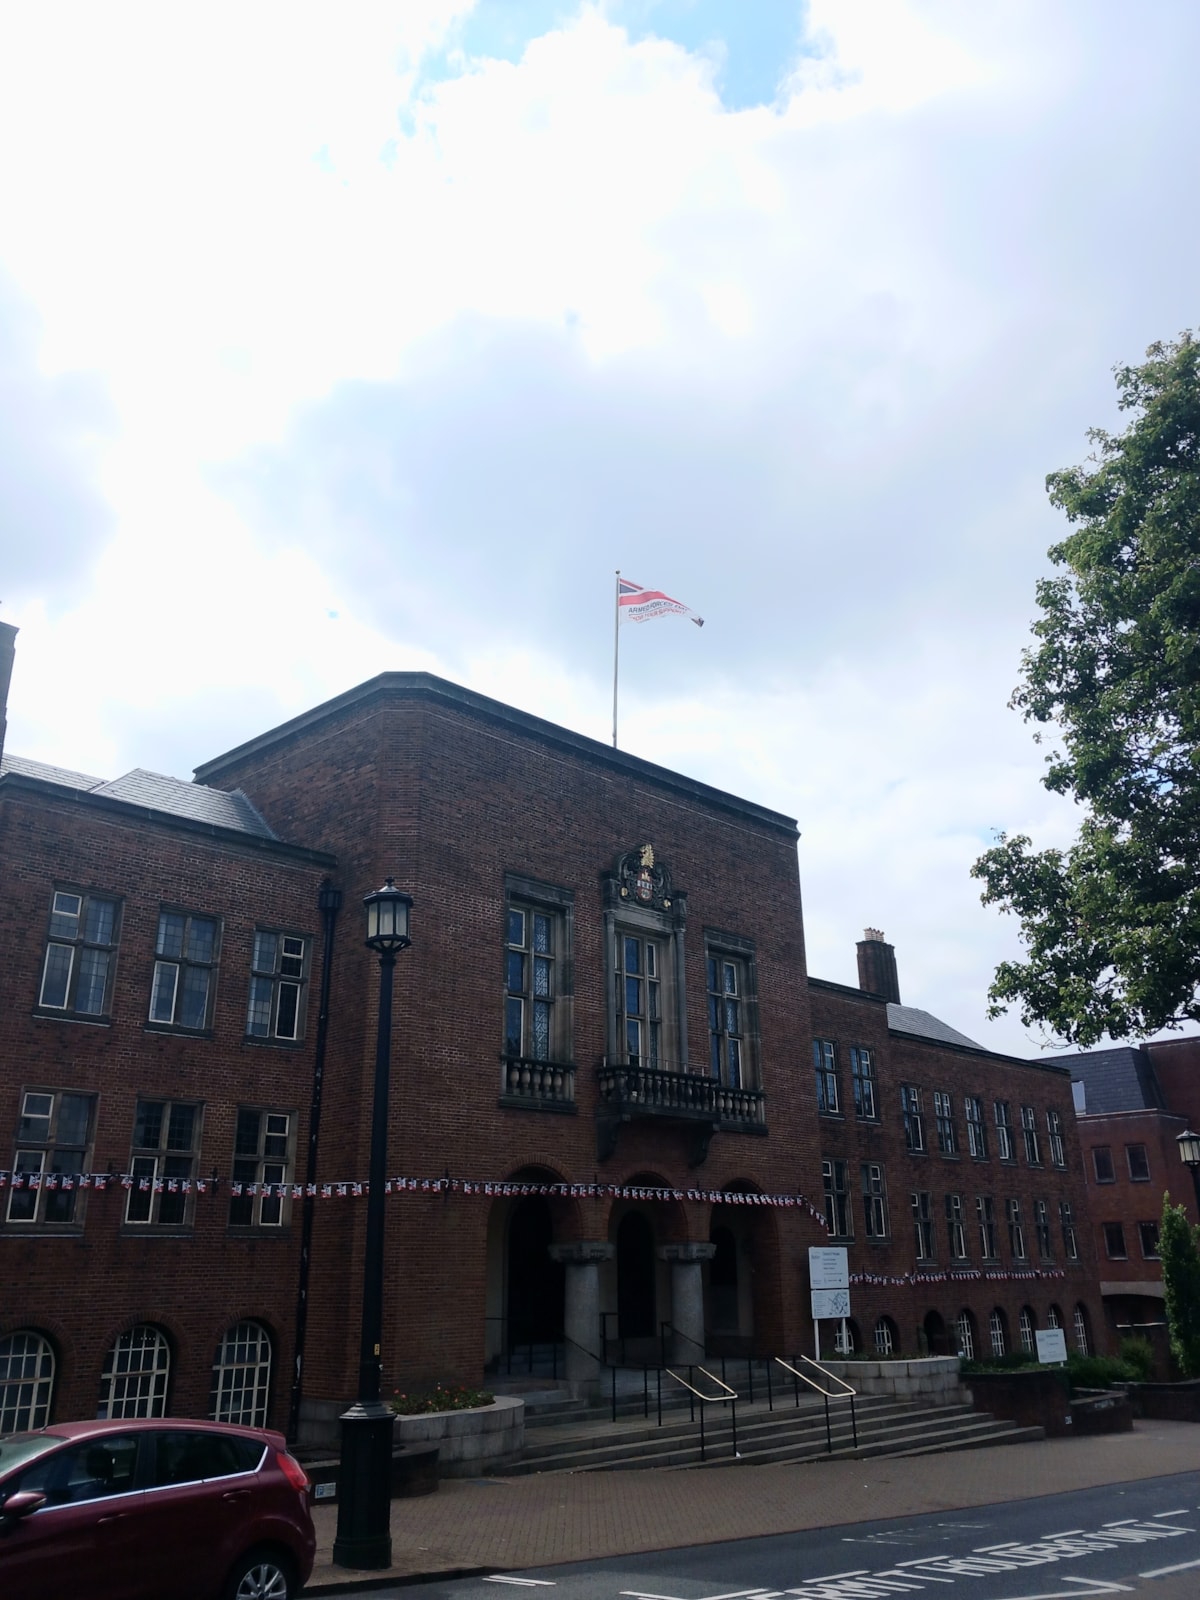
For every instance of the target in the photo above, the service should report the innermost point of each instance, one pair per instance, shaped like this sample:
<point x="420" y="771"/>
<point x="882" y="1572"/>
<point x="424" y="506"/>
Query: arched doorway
<point x="723" y="1311"/>
<point x="535" y="1282"/>
<point x="934" y="1329"/>
<point x="636" y="1273"/>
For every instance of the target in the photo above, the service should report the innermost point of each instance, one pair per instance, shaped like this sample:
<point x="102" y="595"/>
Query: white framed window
<point x="1054" y="1318"/>
<point x="26" y="1381"/>
<point x="1026" y="1328"/>
<point x="875" y="1209"/>
<point x="1066" y="1220"/>
<point x="964" y="1333"/>
<point x="530" y="986"/>
<point x="998" y="1332"/>
<point x="914" y="1123"/>
<point x="1102" y="1164"/>
<point x="943" y="1112"/>
<point x="1005" y="1148"/>
<point x="186" y="948"/>
<point x="922" y="1211"/>
<point x="1054" y="1137"/>
<point x="1148" y="1237"/>
<point x="639" y="999"/>
<point x="133" y="1380"/>
<point x="885" y="1337"/>
<point x="829" y="1098"/>
<point x="956" y="1227"/>
<point x="278" y="980"/>
<point x="166" y="1136"/>
<point x="985" y="1215"/>
<point x="54" y="1137"/>
<point x="1029" y="1128"/>
<point x="1138" y="1163"/>
<point x="81" y="952"/>
<point x="1041" y="1224"/>
<point x="976" y="1128"/>
<point x="728" y="1043"/>
<point x="1114" y="1241"/>
<point x="1016" y="1229"/>
<point x="241" y="1376"/>
<point x="862" y="1074"/>
<point x="836" y="1177"/>
<point x="1082" y="1341"/>
<point x="843" y="1338"/>
<point x="262" y="1164"/>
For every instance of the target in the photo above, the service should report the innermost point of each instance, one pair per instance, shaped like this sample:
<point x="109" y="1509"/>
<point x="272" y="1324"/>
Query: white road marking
<point x="1171" y="1513"/>
<point x="1161" y="1572"/>
<point x="522" y="1583"/>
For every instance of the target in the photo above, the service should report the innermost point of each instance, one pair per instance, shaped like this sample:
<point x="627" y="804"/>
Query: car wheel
<point x="260" y="1576"/>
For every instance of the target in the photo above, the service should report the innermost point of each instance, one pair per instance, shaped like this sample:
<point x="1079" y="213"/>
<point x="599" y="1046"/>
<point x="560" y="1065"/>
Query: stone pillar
<point x="687" y="1298"/>
<point x="581" y="1305"/>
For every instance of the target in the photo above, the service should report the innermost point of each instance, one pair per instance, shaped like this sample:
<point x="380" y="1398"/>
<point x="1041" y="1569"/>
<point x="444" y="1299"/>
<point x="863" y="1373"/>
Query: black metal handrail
<point x="509" y="1345"/>
<point x="728" y="1398"/>
<point x="669" y="1327"/>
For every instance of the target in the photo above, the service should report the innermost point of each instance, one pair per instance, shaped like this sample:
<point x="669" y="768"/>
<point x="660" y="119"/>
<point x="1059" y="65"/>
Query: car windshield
<point x="21" y="1448"/>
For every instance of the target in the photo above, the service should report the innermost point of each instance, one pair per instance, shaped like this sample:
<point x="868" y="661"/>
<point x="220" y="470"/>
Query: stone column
<point x="687" y="1298"/>
<point x="581" y="1305"/>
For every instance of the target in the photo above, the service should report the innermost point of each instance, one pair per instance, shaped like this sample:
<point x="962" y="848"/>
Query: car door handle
<point x="113" y="1516"/>
<point x="236" y="1494"/>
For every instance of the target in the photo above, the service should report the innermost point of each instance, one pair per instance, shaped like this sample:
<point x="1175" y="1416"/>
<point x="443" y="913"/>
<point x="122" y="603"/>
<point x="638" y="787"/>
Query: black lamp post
<point x="364" y="1537"/>
<point x="1189" y="1154"/>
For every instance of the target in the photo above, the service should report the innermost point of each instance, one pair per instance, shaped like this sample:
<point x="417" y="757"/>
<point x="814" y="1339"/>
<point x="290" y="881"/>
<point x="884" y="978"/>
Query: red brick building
<point x="608" y="1065"/>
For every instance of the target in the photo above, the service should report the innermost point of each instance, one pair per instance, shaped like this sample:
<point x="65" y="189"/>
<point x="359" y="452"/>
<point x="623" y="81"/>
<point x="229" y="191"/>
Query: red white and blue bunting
<point x="916" y="1279"/>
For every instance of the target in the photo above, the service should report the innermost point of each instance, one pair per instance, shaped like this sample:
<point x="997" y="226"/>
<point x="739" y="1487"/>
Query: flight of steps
<point x="567" y="1435"/>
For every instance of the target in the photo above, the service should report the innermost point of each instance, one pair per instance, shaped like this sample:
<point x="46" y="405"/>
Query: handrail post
<point x="660" y="1397"/>
<point x="613" y="1370"/>
<point x="770" y="1394"/>
<point x="701" y="1427"/>
<point x="645" y="1392"/>
<point x="733" y="1409"/>
<point x="750" y="1377"/>
<point x="828" y="1430"/>
<point x="853" y="1422"/>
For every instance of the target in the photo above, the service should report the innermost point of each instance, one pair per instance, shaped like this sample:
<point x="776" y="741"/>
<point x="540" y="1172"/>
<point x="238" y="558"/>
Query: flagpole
<point x="616" y="648"/>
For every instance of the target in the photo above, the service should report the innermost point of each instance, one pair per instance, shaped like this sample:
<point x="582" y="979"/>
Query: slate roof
<point x="924" y="1025"/>
<point x="155" y="791"/>
<point x="1120" y="1079"/>
<point x="45" y="773"/>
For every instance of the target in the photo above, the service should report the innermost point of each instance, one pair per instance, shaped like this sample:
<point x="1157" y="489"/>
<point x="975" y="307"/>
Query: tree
<point x="1111" y="926"/>
<point x="1179" y="1247"/>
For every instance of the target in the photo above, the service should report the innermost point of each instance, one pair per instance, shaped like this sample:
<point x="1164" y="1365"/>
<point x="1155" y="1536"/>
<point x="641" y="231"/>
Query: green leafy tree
<point x="1111" y="926"/>
<point x="1179" y="1247"/>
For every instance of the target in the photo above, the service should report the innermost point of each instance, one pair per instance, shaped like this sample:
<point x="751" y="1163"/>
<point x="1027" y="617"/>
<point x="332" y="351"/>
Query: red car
<point x="138" y="1510"/>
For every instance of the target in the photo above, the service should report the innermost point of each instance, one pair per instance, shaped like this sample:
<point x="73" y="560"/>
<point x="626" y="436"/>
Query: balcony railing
<point x="543" y="1085"/>
<point x="629" y="1091"/>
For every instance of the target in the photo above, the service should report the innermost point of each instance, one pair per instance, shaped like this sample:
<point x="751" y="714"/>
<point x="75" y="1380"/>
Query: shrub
<point x="1181" y="1286"/>
<point x="1137" y="1353"/>
<point x="1098" y="1372"/>
<point x="442" y="1397"/>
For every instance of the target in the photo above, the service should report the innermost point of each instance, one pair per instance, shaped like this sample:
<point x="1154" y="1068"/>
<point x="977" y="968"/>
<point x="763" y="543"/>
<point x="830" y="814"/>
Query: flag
<point x="635" y="604"/>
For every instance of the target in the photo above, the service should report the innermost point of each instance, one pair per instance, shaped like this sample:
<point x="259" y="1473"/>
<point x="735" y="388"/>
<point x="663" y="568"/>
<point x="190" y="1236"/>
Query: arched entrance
<point x="636" y="1274"/>
<point x="535" y="1282"/>
<point x="934" y="1329"/>
<point x="723" y="1317"/>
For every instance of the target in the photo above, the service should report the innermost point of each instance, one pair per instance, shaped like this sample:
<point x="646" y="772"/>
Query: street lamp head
<point x="387" y="919"/>
<point x="1189" y="1149"/>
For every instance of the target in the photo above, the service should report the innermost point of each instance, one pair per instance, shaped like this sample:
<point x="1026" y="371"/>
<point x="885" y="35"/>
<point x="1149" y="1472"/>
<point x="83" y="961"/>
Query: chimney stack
<point x="877" y="966"/>
<point x="8" y="649"/>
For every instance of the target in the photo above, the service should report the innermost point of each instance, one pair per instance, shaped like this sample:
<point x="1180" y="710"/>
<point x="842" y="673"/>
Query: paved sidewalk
<point x="499" y="1524"/>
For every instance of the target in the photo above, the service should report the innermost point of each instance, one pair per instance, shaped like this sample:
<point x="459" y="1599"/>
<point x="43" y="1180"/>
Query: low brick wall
<point x="1031" y="1399"/>
<point x="470" y="1443"/>
<point x="1109" y="1411"/>
<point x="1167" y="1402"/>
<point x="933" y="1379"/>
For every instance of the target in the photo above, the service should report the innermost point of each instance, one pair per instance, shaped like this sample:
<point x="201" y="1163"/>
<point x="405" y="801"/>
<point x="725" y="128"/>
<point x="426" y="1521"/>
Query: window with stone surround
<point x="875" y="1206"/>
<point x="537" y="1060"/>
<point x="53" y="1147"/>
<point x="862" y="1075"/>
<point x="829" y="1098"/>
<point x="185" y="968"/>
<point x="81" y="954"/>
<point x="914" y="1122"/>
<point x="835" y="1176"/>
<point x="976" y="1129"/>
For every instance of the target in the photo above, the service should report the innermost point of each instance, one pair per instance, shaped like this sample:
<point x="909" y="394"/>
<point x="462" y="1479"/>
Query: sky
<point x="336" y="340"/>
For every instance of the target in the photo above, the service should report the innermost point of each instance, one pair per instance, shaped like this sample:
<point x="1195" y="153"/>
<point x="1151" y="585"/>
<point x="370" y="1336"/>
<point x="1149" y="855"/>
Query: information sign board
<point x="1051" y="1345"/>
<point x="829" y="1267"/>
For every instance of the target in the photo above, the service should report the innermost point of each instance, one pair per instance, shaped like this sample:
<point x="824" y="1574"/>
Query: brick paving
<point x="499" y="1524"/>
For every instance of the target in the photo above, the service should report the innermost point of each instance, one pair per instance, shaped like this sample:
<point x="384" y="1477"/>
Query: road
<point x="1140" y="1538"/>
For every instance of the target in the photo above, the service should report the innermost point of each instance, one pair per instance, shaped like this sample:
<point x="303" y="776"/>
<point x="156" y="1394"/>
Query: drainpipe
<point x="329" y="901"/>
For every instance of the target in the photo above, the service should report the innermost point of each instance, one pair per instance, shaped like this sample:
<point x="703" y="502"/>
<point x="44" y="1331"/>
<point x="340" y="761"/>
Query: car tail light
<point x="292" y="1470"/>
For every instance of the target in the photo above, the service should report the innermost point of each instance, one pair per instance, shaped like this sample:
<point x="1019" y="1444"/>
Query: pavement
<point x="506" y="1524"/>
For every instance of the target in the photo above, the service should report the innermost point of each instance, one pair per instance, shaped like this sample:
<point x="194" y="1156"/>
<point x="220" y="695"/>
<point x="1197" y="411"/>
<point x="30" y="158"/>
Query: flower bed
<point x="472" y="1441"/>
<point x="442" y="1397"/>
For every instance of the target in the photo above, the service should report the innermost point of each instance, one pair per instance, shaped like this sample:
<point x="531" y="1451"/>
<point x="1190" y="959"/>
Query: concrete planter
<point x="470" y="1443"/>
<point x="933" y="1379"/>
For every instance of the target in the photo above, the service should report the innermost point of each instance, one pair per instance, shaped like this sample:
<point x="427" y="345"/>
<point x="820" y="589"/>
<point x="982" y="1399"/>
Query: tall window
<point x="922" y="1210"/>
<point x="261" y="1165"/>
<point x="964" y="1333"/>
<point x="825" y="1070"/>
<point x="875" y="1212"/>
<point x="1005" y="1148"/>
<point x="1102" y="1164"/>
<point x="1148" y="1235"/>
<point x="1016" y="1229"/>
<point x="1029" y="1128"/>
<point x="1041" y="1224"/>
<point x="862" y="1073"/>
<point x="241" y="1376"/>
<point x="835" y="1175"/>
<point x="639" y="999"/>
<point x="1054" y="1136"/>
<point x="529" y="983"/>
<point x="133" y="1381"/>
<point x="726" y="1020"/>
<point x="1138" y="1163"/>
<point x="998" y="1332"/>
<point x="54" y="1136"/>
<point x="166" y="1134"/>
<point x="956" y="1228"/>
<point x="985" y="1215"/>
<point x="80" y="954"/>
<point x="944" y="1116"/>
<point x="1026" y="1328"/>
<point x="976" y="1131"/>
<point x="26" y="1381"/>
<point x="182" y="992"/>
<point x="1114" y="1241"/>
<point x="278" y="970"/>
<point x="1082" y="1343"/>
<point x="886" y="1337"/>
<point x="914" y="1123"/>
<point x="1067" y="1223"/>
